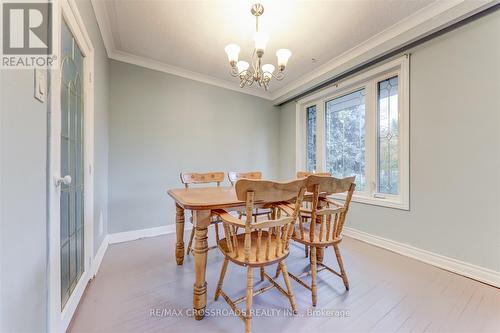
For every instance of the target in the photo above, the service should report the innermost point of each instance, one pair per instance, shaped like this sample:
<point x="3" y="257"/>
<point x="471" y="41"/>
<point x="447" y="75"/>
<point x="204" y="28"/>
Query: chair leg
<point x="341" y="265"/>
<point x="278" y="270"/>
<point x="248" y="315"/>
<point x="221" y="278"/>
<point x="190" y="244"/>
<point x="262" y="273"/>
<point x="313" y="275"/>
<point x="217" y="233"/>
<point x="291" y="297"/>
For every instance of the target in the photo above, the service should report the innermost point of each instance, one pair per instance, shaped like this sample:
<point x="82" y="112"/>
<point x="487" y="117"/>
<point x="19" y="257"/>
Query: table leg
<point x="179" y="230"/>
<point x="201" y="222"/>
<point x="320" y="251"/>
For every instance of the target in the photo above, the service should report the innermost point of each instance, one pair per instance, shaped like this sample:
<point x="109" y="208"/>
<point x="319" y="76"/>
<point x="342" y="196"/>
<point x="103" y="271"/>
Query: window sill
<point x="382" y="202"/>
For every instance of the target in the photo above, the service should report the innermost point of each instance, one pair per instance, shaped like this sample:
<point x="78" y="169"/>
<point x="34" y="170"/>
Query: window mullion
<point x="320" y="136"/>
<point x="371" y="137"/>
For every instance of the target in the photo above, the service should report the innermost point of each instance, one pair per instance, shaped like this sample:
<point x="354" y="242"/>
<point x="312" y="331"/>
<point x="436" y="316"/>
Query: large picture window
<point x="360" y="128"/>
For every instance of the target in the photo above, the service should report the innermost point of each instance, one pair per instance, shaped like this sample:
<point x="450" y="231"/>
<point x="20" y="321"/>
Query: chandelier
<point x="262" y="74"/>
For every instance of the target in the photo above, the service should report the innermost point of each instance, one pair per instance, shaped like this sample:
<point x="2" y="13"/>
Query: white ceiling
<point x="188" y="37"/>
<point x="192" y="34"/>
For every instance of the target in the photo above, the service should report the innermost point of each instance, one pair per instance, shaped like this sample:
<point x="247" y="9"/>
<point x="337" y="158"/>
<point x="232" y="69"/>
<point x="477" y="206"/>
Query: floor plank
<point x="139" y="283"/>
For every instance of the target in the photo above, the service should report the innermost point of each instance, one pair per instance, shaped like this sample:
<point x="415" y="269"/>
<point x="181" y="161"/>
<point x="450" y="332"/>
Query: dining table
<point x="201" y="201"/>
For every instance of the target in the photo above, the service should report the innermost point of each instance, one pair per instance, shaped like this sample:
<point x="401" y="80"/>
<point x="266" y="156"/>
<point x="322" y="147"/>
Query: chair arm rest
<point x="228" y="218"/>
<point x="328" y="211"/>
<point x="333" y="202"/>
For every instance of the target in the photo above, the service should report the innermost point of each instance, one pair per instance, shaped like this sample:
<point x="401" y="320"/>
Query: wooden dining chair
<point x="305" y="174"/>
<point x="193" y="178"/>
<point x="234" y="176"/>
<point x="264" y="243"/>
<point x="305" y="212"/>
<point x="324" y="228"/>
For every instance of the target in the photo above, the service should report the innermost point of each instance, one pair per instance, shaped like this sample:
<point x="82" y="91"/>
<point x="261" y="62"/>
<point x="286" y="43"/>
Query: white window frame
<point x="367" y="80"/>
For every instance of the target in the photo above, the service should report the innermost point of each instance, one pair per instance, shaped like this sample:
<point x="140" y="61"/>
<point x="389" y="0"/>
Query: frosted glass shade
<point x="232" y="51"/>
<point x="260" y="38"/>
<point x="268" y="70"/>
<point x="283" y="56"/>
<point x="242" y="66"/>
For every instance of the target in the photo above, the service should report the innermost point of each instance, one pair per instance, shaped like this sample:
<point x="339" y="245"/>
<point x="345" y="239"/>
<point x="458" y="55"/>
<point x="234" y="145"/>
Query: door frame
<point x="59" y="319"/>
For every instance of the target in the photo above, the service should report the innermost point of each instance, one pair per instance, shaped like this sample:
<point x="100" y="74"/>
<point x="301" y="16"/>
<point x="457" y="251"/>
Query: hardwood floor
<point x="139" y="281"/>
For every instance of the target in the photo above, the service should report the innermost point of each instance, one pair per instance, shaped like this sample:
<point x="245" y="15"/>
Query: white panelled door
<point x="70" y="166"/>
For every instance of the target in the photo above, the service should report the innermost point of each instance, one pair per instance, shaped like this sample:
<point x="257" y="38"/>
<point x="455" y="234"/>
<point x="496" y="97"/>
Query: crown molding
<point x="436" y="16"/>
<point x="184" y="73"/>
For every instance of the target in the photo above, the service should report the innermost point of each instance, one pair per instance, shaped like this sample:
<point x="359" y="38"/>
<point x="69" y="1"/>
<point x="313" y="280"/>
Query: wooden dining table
<point x="201" y="201"/>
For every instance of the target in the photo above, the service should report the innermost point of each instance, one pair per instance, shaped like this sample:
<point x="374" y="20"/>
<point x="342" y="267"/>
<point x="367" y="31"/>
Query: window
<point x="345" y="136"/>
<point x="387" y="139"/>
<point x="360" y="128"/>
<point x="311" y="138"/>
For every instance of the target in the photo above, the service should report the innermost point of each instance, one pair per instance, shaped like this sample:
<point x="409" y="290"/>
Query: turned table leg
<point x="179" y="230"/>
<point x="320" y="251"/>
<point x="201" y="222"/>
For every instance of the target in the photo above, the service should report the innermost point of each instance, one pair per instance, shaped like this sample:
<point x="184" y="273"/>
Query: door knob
<point x="66" y="180"/>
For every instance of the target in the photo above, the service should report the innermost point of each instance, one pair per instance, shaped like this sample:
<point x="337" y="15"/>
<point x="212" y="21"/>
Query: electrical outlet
<point x="40" y="84"/>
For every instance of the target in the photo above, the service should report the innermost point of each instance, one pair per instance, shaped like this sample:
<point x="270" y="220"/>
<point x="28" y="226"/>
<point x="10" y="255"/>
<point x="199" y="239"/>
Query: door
<point x="71" y="156"/>
<point x="70" y="179"/>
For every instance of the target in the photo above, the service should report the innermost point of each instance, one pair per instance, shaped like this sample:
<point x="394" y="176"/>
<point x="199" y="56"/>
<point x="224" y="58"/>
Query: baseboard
<point x="127" y="236"/>
<point x="96" y="263"/>
<point x="478" y="273"/>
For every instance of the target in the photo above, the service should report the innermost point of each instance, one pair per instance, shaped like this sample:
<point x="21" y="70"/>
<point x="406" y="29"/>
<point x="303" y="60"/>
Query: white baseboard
<point x="127" y="236"/>
<point x="478" y="273"/>
<point x="96" y="263"/>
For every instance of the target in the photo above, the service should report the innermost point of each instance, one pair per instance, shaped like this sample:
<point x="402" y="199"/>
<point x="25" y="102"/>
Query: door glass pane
<point x="345" y="137"/>
<point x="72" y="159"/>
<point x="311" y="138"/>
<point x="388" y="137"/>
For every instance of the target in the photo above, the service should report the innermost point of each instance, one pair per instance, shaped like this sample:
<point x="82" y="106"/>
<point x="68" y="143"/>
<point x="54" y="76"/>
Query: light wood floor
<point x="388" y="293"/>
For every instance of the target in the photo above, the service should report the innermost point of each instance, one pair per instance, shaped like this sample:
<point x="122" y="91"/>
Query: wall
<point x="162" y="124"/>
<point x="454" y="149"/>
<point x="23" y="227"/>
<point x="23" y="153"/>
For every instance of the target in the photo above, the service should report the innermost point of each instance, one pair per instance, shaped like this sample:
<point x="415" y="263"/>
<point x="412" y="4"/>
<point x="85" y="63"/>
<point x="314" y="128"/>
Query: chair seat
<point x="315" y="241"/>
<point x="257" y="212"/>
<point x="254" y="260"/>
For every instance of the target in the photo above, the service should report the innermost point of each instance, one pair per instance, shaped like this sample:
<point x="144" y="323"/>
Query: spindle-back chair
<point x="234" y="176"/>
<point x="324" y="228"/>
<point x="305" y="212"/>
<point x="195" y="178"/>
<point x="264" y="242"/>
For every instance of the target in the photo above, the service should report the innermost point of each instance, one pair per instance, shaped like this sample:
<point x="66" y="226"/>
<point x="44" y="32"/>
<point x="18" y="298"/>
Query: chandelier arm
<point x="280" y="76"/>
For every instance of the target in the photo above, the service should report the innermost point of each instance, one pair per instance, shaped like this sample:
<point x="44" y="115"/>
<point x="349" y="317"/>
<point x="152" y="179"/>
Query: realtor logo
<point x="27" y="34"/>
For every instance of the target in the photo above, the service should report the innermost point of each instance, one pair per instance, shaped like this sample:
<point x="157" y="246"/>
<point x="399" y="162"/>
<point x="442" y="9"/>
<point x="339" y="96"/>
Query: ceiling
<point x="190" y="36"/>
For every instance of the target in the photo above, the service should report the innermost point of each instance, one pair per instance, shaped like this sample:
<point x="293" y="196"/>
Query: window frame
<point x="367" y="80"/>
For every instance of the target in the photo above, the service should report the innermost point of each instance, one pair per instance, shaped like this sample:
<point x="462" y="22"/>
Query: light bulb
<point x="232" y="51"/>
<point x="260" y="38"/>
<point x="283" y="56"/>
<point x="242" y="66"/>
<point x="268" y="70"/>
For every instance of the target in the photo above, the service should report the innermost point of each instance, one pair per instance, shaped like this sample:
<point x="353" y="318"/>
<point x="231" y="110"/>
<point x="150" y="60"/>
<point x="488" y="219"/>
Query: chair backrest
<point x="327" y="216"/>
<point x="275" y="195"/>
<point x="304" y="174"/>
<point x="234" y="176"/>
<point x="189" y="178"/>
